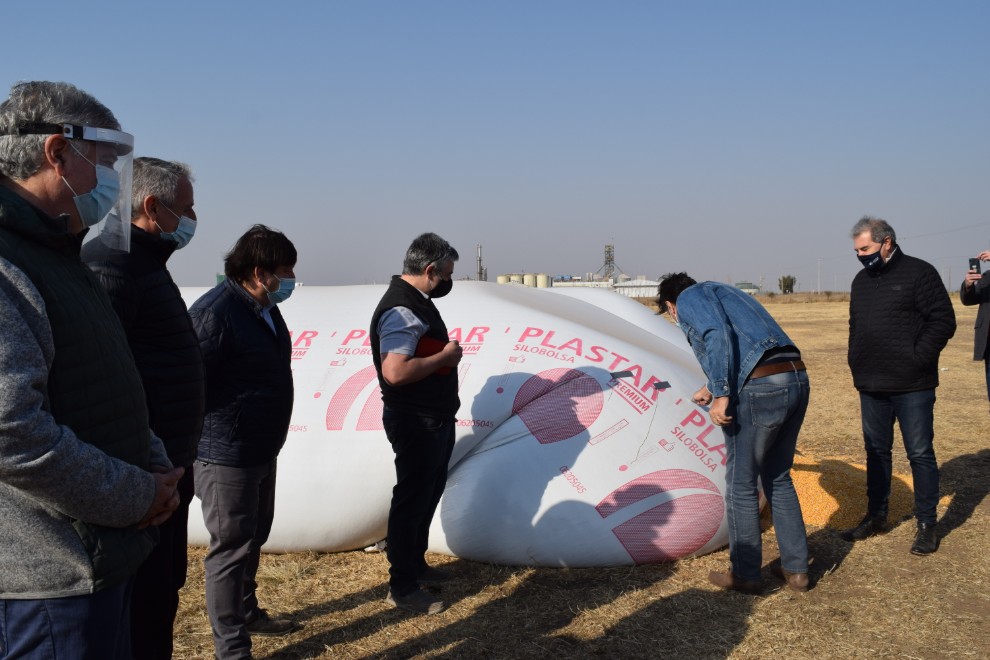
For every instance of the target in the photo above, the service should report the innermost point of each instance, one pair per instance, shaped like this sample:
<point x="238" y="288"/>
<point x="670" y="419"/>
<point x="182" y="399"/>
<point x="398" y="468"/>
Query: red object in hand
<point x="428" y="346"/>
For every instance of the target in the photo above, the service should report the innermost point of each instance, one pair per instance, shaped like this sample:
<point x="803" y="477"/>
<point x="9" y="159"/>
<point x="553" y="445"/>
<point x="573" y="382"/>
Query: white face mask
<point x="97" y="203"/>
<point x="182" y="234"/>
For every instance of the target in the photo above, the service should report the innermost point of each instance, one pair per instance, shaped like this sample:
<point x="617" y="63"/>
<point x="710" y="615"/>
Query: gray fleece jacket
<point x="75" y="448"/>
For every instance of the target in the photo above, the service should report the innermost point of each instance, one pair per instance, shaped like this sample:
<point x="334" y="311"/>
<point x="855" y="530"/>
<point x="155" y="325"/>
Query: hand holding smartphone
<point x="974" y="265"/>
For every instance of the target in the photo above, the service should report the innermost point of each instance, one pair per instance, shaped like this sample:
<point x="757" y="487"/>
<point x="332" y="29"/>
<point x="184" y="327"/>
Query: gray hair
<point x="880" y="230"/>
<point x="154" y="177"/>
<point x="427" y="249"/>
<point x="42" y="102"/>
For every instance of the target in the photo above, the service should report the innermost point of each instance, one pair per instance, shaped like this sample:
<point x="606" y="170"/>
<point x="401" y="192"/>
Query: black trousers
<point x="155" y="599"/>
<point x="422" y="446"/>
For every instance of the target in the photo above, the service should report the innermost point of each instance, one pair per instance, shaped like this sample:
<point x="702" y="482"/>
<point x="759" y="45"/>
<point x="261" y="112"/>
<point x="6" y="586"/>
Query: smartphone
<point x="974" y="265"/>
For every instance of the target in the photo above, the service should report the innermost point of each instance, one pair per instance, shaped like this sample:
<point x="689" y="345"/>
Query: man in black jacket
<point x="417" y="372"/>
<point x="900" y="319"/>
<point x="166" y="351"/>
<point x="975" y="290"/>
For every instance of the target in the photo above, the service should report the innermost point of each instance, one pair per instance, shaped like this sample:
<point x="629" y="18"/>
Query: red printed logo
<point x="347" y="394"/>
<point x="302" y="343"/>
<point x="670" y="530"/>
<point x="558" y="404"/>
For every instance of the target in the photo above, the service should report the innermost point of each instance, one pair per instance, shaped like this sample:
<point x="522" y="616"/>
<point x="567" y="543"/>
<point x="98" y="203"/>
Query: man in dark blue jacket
<point x="900" y="319"/>
<point x="166" y="351"/>
<point x="246" y="355"/>
<point x="417" y="372"/>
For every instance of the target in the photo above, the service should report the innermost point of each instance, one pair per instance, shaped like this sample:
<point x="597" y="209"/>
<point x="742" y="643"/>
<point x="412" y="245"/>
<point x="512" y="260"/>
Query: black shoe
<point x="418" y="601"/>
<point x="866" y="528"/>
<point x="926" y="540"/>
<point x="430" y="575"/>
<point x="261" y="624"/>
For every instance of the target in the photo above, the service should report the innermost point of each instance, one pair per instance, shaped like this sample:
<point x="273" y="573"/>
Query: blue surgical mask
<point x="285" y="288"/>
<point x="97" y="203"/>
<point x="182" y="234"/>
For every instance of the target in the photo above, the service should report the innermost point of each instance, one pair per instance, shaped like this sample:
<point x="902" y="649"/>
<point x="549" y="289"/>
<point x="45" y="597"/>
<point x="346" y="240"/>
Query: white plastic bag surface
<point x="577" y="443"/>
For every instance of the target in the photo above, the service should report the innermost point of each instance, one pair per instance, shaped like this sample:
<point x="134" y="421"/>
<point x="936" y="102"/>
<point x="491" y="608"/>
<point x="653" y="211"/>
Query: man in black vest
<point x="976" y="291"/>
<point x="417" y="372"/>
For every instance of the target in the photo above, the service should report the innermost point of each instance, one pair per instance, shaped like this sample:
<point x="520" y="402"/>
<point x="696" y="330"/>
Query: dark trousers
<point x="915" y="413"/>
<point x="238" y="509"/>
<point x="422" y="446"/>
<point x="90" y="627"/>
<point x="156" y="586"/>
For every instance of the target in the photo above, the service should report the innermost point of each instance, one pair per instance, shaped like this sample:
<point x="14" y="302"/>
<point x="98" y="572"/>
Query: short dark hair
<point x="259" y="247"/>
<point x="427" y="249"/>
<point x="670" y="287"/>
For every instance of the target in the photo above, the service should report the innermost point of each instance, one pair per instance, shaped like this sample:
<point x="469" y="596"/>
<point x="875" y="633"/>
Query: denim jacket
<point x="729" y="331"/>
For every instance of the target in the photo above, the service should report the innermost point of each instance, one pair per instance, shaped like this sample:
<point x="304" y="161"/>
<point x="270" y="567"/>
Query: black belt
<point x="776" y="368"/>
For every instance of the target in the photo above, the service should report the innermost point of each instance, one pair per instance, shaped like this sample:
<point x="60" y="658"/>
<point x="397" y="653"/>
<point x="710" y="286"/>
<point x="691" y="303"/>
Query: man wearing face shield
<point x="247" y="357"/>
<point x="417" y="371"/>
<point x="900" y="319"/>
<point x="166" y="350"/>
<point x="83" y="480"/>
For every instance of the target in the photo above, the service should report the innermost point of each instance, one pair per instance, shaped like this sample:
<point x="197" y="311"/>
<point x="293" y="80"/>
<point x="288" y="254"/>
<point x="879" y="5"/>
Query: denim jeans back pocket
<point x="768" y="408"/>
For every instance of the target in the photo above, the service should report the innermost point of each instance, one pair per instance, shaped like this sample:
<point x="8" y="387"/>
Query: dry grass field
<point x="869" y="600"/>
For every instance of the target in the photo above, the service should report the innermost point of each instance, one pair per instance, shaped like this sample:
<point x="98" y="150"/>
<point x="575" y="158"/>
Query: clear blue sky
<point x="734" y="140"/>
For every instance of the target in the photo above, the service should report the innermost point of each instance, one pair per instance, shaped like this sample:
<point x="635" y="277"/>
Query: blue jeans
<point x="915" y="413"/>
<point x="238" y="509"/>
<point x="422" y="446"/>
<point x="90" y="627"/>
<point x="761" y="441"/>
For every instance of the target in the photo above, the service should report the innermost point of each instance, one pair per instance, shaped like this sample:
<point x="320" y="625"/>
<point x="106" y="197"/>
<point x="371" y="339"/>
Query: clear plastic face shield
<point x="104" y="147"/>
<point x="114" y="149"/>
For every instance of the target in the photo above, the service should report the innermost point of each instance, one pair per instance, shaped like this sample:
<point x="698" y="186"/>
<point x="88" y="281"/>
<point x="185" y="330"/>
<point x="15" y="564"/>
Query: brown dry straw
<point x="869" y="600"/>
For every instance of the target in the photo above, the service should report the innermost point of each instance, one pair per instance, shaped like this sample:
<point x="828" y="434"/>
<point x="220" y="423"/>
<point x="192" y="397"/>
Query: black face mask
<point x="442" y="289"/>
<point x="871" y="262"/>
